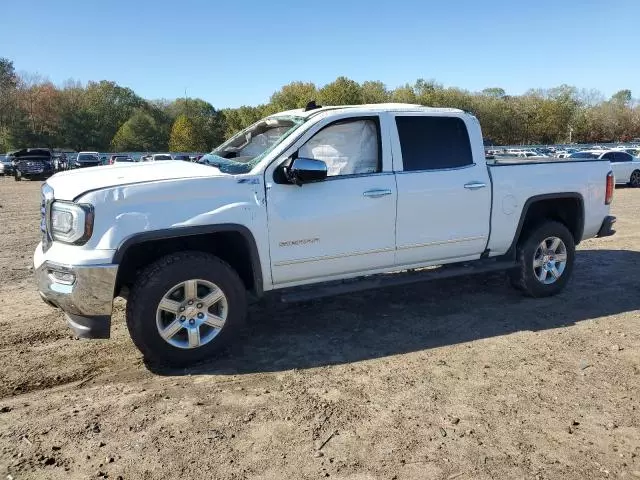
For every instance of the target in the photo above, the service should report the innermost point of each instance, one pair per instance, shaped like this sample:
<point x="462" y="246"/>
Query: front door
<point x="344" y="224"/>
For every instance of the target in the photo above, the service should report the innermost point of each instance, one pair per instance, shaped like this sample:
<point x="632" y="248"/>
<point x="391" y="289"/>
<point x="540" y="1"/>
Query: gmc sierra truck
<point x="306" y="203"/>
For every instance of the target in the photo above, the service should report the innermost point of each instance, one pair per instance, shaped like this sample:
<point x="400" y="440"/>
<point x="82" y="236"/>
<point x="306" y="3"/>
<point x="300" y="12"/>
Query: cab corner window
<point x="433" y="143"/>
<point x="347" y="147"/>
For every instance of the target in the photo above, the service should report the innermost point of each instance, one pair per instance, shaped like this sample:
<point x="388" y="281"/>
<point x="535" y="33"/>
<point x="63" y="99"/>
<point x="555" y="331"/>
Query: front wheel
<point x="545" y="260"/>
<point x="634" y="180"/>
<point x="184" y="308"/>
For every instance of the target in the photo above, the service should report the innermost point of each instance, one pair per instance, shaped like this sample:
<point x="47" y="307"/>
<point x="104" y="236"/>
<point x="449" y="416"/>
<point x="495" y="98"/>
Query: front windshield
<point x="244" y="150"/>
<point x="162" y="157"/>
<point x="86" y="158"/>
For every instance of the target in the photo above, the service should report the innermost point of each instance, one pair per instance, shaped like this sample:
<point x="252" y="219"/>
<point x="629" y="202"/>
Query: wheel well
<point x="230" y="246"/>
<point x="566" y="210"/>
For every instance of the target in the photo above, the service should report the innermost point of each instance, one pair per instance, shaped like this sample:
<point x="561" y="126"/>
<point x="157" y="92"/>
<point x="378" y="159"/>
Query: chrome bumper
<point x="84" y="293"/>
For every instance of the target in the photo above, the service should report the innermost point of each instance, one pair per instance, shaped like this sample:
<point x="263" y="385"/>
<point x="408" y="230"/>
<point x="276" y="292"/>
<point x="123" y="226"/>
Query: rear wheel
<point x="634" y="180"/>
<point x="545" y="260"/>
<point x="185" y="308"/>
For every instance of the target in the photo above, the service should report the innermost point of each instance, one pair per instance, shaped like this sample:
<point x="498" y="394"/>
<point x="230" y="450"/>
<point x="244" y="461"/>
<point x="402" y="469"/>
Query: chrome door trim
<point x="284" y="263"/>
<point x="444" y="242"/>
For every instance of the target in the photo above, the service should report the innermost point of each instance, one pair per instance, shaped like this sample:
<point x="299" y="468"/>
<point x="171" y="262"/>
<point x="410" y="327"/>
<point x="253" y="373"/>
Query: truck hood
<point x="70" y="184"/>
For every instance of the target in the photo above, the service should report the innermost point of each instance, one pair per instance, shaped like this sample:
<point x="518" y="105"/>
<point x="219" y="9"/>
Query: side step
<point x="311" y="292"/>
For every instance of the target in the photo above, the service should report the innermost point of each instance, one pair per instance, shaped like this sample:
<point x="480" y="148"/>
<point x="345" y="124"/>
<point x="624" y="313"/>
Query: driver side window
<point x="349" y="147"/>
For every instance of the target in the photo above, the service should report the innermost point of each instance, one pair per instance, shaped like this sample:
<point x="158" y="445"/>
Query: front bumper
<point x="83" y="293"/>
<point x="606" y="230"/>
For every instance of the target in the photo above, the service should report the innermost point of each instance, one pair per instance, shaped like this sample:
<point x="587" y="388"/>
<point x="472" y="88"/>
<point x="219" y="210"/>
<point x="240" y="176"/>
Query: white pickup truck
<point x="313" y="202"/>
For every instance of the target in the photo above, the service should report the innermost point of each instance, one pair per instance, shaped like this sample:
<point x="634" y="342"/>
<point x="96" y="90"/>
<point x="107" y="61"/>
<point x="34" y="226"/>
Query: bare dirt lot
<point x="462" y="379"/>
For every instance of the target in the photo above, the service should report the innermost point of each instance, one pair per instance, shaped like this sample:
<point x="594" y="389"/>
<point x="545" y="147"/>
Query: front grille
<point x="31" y="167"/>
<point x="45" y="215"/>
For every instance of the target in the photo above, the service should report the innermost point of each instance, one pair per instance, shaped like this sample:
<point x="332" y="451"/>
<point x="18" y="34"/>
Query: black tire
<point x="634" y="180"/>
<point x="524" y="277"/>
<point x="156" y="280"/>
<point x="17" y="177"/>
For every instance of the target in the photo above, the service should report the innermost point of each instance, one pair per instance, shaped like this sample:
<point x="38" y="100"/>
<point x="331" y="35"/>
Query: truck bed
<point x="538" y="178"/>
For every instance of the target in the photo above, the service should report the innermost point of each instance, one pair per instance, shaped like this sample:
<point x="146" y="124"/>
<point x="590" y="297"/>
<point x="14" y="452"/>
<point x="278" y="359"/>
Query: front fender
<point x="130" y="214"/>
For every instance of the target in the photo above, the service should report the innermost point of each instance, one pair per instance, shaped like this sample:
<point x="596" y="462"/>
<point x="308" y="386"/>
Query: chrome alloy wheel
<point x="191" y="314"/>
<point x="550" y="260"/>
<point x="635" y="179"/>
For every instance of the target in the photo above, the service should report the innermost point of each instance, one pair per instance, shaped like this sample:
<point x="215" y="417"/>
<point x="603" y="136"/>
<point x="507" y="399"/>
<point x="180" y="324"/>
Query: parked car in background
<point x="32" y="164"/>
<point x="630" y="150"/>
<point x="584" y="155"/>
<point x="157" y="157"/>
<point x="626" y="168"/>
<point x="120" y="159"/>
<point x="6" y="167"/>
<point x="87" y="159"/>
<point x="529" y="154"/>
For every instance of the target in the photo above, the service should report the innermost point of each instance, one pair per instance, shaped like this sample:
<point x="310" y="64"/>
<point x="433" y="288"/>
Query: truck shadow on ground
<point x="379" y="323"/>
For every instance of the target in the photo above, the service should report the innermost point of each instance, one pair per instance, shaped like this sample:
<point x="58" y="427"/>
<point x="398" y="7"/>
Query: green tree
<point x="375" y="92"/>
<point x="207" y="123"/>
<point x="342" y="91"/>
<point x="107" y="106"/>
<point x="8" y="104"/>
<point x="495" y="92"/>
<point x="622" y="98"/>
<point x="184" y="137"/>
<point x="141" y="132"/>
<point x="294" y="95"/>
<point x="404" y="94"/>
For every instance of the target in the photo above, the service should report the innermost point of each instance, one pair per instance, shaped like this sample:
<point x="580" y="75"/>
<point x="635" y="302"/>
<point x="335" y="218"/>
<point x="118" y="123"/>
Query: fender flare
<point x="547" y="196"/>
<point x="189" y="231"/>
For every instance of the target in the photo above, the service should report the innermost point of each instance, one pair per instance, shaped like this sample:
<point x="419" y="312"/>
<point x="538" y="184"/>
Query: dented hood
<point x="73" y="183"/>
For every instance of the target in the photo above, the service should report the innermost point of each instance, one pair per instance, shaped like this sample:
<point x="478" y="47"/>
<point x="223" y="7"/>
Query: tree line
<point x="104" y="116"/>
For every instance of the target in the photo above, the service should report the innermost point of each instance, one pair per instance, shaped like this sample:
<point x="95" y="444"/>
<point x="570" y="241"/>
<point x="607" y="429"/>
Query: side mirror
<point x="306" y="170"/>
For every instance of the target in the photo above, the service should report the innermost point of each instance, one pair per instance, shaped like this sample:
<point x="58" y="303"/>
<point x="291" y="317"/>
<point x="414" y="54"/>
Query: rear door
<point x="444" y="197"/>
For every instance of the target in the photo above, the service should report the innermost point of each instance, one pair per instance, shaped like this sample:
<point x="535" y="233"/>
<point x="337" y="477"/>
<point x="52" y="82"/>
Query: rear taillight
<point x="608" y="197"/>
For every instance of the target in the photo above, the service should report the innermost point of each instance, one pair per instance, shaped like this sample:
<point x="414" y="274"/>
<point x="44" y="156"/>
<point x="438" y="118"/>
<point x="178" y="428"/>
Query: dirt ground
<point x="462" y="379"/>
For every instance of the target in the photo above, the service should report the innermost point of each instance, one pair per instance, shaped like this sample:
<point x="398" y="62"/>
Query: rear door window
<point x="433" y="143"/>
<point x="622" y="157"/>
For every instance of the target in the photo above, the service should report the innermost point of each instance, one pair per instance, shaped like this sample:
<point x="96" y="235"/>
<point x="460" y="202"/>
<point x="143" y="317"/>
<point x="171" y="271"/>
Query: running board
<point x="311" y="292"/>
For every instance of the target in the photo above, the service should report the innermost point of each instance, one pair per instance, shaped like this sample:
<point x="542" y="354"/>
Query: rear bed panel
<point x="515" y="182"/>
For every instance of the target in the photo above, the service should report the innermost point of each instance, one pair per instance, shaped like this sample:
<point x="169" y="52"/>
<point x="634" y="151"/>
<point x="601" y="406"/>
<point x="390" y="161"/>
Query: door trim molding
<point x="284" y="263"/>
<point x="443" y="242"/>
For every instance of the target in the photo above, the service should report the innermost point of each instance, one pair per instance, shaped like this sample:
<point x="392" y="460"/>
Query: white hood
<point x="69" y="185"/>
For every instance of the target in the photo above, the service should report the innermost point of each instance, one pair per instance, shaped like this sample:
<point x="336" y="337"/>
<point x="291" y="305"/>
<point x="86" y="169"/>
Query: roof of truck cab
<point x="368" y="108"/>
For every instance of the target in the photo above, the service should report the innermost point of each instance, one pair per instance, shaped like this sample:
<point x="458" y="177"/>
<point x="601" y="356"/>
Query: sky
<point x="233" y="53"/>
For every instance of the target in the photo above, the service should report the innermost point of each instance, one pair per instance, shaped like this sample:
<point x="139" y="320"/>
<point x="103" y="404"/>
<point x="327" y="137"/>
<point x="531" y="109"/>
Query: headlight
<point x="71" y="222"/>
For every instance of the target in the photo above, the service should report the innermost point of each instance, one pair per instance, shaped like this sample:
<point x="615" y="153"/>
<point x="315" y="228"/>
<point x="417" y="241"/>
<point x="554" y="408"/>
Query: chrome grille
<point x="31" y="167"/>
